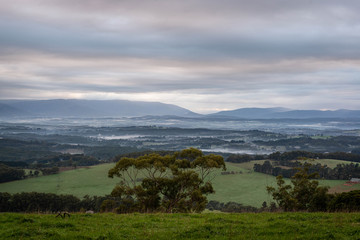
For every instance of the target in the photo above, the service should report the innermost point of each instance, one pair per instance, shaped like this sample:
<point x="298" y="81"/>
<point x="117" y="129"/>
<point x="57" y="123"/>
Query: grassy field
<point x="79" y="182"/>
<point x="247" y="187"/>
<point x="182" y="226"/>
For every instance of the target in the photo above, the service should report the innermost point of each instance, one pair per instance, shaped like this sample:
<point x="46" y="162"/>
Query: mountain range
<point x="88" y="108"/>
<point x="282" y="113"/>
<point x="123" y="108"/>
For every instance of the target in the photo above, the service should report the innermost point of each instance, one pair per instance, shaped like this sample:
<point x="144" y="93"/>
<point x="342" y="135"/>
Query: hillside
<point x="283" y="113"/>
<point x="88" y="108"/>
<point x="74" y="108"/>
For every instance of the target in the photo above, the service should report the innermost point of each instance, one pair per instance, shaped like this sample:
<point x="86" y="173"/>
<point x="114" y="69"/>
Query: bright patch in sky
<point x="204" y="55"/>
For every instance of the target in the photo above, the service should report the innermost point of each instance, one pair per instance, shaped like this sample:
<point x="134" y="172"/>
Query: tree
<point x="10" y="174"/>
<point x="172" y="183"/>
<point x="303" y="194"/>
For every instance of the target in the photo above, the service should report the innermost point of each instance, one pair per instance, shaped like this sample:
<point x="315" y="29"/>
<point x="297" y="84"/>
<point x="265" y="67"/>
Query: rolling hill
<point x="75" y="108"/>
<point x="88" y="108"/>
<point x="283" y="113"/>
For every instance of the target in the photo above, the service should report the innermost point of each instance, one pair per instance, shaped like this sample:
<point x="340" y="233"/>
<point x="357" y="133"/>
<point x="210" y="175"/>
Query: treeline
<point x="16" y="150"/>
<point x="63" y="160"/>
<point x="231" y="207"/>
<point x="137" y="154"/>
<point x="49" y="202"/>
<point x="241" y="158"/>
<point x="340" y="172"/>
<point x="58" y="160"/>
<point x="8" y="174"/>
<point x="304" y="154"/>
<point x="293" y="155"/>
<point x="19" y="150"/>
<point x="337" y="143"/>
<point x="52" y="203"/>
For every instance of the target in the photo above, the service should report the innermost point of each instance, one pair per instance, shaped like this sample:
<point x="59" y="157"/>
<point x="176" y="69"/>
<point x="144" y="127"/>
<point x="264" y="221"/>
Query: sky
<point x="203" y="55"/>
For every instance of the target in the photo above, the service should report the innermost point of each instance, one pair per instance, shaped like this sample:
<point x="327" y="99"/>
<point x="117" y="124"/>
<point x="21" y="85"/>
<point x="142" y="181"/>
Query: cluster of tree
<point x="240" y="158"/>
<point x="340" y="172"/>
<point x="64" y="160"/>
<point x="17" y="164"/>
<point x="172" y="183"/>
<point x="137" y="154"/>
<point x="10" y="174"/>
<point x="356" y="151"/>
<point x="292" y="155"/>
<point x="304" y="154"/>
<point x="48" y="202"/>
<point x="46" y="153"/>
<point x="231" y="207"/>
<point x="19" y="150"/>
<point x="49" y="171"/>
<point x="109" y="151"/>
<point x="346" y="201"/>
<point x="337" y="143"/>
<point x="305" y="194"/>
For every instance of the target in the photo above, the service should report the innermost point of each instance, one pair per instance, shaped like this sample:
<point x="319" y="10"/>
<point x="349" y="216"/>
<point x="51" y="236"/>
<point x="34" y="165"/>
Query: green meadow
<point x="245" y="186"/>
<point x="182" y="226"/>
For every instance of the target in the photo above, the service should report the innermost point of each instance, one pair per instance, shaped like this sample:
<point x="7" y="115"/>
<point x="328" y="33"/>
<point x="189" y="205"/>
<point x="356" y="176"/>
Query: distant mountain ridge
<point x="123" y="108"/>
<point x="88" y="108"/>
<point x="282" y="113"/>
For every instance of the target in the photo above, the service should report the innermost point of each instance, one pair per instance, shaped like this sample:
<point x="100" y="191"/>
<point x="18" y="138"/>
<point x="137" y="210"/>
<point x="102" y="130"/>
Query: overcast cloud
<point x="204" y="55"/>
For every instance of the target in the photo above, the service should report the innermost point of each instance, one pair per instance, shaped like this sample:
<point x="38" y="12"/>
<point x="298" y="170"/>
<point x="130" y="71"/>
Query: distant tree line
<point x="340" y="172"/>
<point x="49" y="202"/>
<point x="293" y="155"/>
<point x="52" y="203"/>
<point x="137" y="154"/>
<point x="337" y="143"/>
<point x="15" y="150"/>
<point x="304" y="154"/>
<point x="241" y="158"/>
<point x="8" y="174"/>
<point x="63" y="160"/>
<point x="231" y="207"/>
<point x="19" y="150"/>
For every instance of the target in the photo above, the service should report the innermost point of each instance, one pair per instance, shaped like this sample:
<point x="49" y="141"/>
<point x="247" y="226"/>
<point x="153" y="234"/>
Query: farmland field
<point x="182" y="226"/>
<point x="245" y="186"/>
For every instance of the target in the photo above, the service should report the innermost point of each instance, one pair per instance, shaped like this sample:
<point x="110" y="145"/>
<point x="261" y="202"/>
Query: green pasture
<point x="78" y="182"/>
<point x="246" y="186"/>
<point x="182" y="226"/>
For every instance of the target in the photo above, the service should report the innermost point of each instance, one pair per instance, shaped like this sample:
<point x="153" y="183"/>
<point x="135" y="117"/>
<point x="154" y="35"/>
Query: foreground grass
<point x="182" y="226"/>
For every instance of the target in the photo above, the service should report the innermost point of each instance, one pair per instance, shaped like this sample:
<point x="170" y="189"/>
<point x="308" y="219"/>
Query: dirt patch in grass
<point x="63" y="169"/>
<point x="346" y="187"/>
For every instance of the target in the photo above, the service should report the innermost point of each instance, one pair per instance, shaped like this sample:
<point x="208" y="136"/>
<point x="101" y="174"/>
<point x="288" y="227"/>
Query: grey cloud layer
<point x="270" y="49"/>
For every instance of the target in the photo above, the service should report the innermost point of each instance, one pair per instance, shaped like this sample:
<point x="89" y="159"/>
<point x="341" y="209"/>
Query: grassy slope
<point x="79" y="182"/>
<point x="248" y="188"/>
<point x="182" y="226"/>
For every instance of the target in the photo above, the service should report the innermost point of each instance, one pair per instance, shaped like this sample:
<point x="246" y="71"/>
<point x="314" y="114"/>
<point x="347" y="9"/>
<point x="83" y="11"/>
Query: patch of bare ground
<point x="346" y="187"/>
<point x="63" y="169"/>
